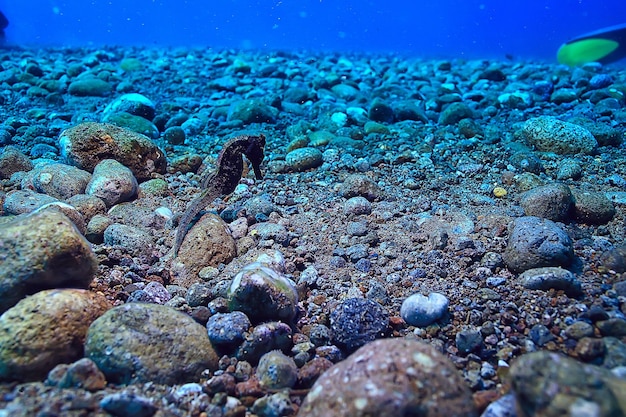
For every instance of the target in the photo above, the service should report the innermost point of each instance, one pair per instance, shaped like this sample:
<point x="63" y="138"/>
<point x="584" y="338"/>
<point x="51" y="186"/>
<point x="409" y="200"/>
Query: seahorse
<point x="224" y="179"/>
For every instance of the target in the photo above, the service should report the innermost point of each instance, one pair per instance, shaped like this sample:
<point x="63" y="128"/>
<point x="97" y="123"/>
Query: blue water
<point x="431" y="29"/>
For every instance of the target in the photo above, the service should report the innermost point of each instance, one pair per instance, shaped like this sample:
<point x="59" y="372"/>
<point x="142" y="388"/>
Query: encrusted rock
<point x="86" y="144"/>
<point x="549" y="134"/>
<point x="390" y="377"/>
<point x="138" y="343"/>
<point x="550" y="385"/>
<point x="44" y="330"/>
<point x="535" y="243"/>
<point x="42" y="250"/>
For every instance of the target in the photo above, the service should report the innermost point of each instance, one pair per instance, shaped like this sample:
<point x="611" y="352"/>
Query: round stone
<point x="420" y="310"/>
<point x="304" y="158"/>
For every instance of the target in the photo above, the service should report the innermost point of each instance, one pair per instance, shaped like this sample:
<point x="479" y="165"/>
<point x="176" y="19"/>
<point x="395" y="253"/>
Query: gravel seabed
<point x="442" y="186"/>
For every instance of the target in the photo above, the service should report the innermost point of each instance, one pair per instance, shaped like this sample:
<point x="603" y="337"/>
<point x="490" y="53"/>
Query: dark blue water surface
<point x="432" y="28"/>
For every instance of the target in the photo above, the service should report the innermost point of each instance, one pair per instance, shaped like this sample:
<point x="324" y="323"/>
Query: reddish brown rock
<point x="390" y="377"/>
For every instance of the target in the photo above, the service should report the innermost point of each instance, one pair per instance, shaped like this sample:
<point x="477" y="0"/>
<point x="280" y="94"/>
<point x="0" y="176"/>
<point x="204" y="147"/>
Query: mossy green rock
<point x="89" y="87"/>
<point x="41" y="251"/>
<point x="44" y="330"/>
<point x="132" y="122"/>
<point x="141" y="343"/>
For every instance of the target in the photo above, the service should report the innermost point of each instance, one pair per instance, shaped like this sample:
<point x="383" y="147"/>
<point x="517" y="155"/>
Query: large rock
<point x="86" y="144"/>
<point x="548" y="384"/>
<point x="140" y="343"/>
<point x="41" y="251"/>
<point x="549" y="134"/>
<point x="535" y="243"/>
<point x="57" y="180"/>
<point x="390" y="377"/>
<point x="44" y="330"/>
<point x="208" y="243"/>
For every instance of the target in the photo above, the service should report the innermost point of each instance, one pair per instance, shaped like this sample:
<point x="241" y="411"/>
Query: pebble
<point x="46" y="329"/>
<point x="112" y="182"/>
<point x="420" y="310"/>
<point x="468" y="340"/>
<point x="133" y="123"/>
<point x="132" y="103"/>
<point x="12" y="160"/>
<point x="91" y="86"/>
<point x="535" y="243"/>
<point x="592" y="207"/>
<point x="263" y="294"/>
<point x="552" y="201"/>
<point x="174" y="135"/>
<point x="228" y="330"/>
<point x="276" y="371"/>
<point x="252" y="111"/>
<point x="409" y="376"/>
<point x="551" y="385"/>
<point x="83" y="374"/>
<point x="356" y="322"/>
<point x="380" y="111"/>
<point x="53" y="252"/>
<point x="273" y="405"/>
<point x="140" y="343"/>
<point x="132" y="239"/>
<point x="540" y="335"/>
<point x="264" y="338"/>
<point x="355" y="185"/>
<point x="87" y="144"/>
<point x="579" y="330"/>
<point x="303" y="159"/>
<point x="357" y="206"/>
<point x="87" y="205"/>
<point x="547" y="278"/>
<point x="122" y="404"/>
<point x="549" y="134"/>
<point x="454" y="113"/>
<point x="25" y="201"/>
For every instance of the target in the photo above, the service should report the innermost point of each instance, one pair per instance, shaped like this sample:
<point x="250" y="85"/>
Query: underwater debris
<point x="224" y="179"/>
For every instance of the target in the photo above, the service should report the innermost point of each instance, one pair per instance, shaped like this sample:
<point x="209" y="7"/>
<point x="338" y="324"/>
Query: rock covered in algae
<point x="86" y="144"/>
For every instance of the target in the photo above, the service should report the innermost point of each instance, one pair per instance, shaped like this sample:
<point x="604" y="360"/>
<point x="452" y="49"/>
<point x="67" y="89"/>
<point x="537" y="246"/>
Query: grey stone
<point x="304" y="158"/>
<point x="133" y="103"/>
<point x="357" y="205"/>
<point x="535" y="243"/>
<point x="592" y="207"/>
<point x="112" y="182"/>
<point x="454" y="112"/>
<point x="57" y="180"/>
<point x="551" y="277"/>
<point x="133" y="239"/>
<point x="263" y="294"/>
<point x="550" y="385"/>
<point x="12" y="160"/>
<point x="25" y="201"/>
<point x="89" y="87"/>
<point x="252" y="111"/>
<point x="421" y="311"/>
<point x="86" y="144"/>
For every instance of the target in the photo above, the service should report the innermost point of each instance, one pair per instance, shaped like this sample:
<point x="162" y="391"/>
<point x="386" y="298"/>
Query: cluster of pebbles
<point x="431" y="237"/>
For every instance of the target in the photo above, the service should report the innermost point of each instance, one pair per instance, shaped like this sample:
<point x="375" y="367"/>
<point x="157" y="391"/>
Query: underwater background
<point x="448" y="28"/>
